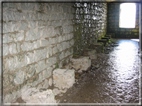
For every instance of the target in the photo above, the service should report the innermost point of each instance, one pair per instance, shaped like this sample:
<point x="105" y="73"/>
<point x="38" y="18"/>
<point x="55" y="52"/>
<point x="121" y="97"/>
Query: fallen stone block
<point x="63" y="78"/>
<point x="57" y="91"/>
<point x="33" y="95"/>
<point x="81" y="64"/>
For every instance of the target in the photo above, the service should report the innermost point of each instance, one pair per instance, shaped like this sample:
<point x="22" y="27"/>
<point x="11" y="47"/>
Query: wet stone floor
<point x="113" y="78"/>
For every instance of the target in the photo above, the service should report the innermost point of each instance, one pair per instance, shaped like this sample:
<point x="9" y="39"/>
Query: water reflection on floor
<point x="117" y="81"/>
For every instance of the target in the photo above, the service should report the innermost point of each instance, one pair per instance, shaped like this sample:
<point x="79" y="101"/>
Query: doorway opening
<point x="127" y="16"/>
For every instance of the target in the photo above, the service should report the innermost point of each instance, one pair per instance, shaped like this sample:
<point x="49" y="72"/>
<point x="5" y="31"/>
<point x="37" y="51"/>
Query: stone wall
<point x="140" y="33"/>
<point x="37" y="38"/>
<point x="113" y="23"/>
<point x="0" y="60"/>
<point x="89" y="24"/>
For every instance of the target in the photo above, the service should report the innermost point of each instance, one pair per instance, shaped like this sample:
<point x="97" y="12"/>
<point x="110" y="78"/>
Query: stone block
<point x="7" y="38"/>
<point x="51" y="61"/>
<point x="61" y="56"/>
<point x="54" y="50"/>
<point x="27" y="6"/>
<point x="44" y="42"/>
<point x="47" y="72"/>
<point x="5" y="49"/>
<point x="23" y="25"/>
<point x="40" y="66"/>
<point x="32" y="23"/>
<point x="63" y="78"/>
<point x="81" y="64"/>
<point x="45" y="84"/>
<point x="59" y="46"/>
<point x="92" y="54"/>
<point x="12" y="48"/>
<point x="29" y="57"/>
<point x="8" y="98"/>
<point x="67" y="29"/>
<point x="33" y="95"/>
<point x="32" y="34"/>
<point x="20" y="76"/>
<point x="16" y="61"/>
<point x="30" y="71"/>
<point x="40" y="54"/>
<point x="46" y="32"/>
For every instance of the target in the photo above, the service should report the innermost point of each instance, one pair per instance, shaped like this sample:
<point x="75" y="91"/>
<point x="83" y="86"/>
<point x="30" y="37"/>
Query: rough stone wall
<point x="37" y="38"/>
<point x="0" y="59"/>
<point x="113" y="23"/>
<point x="140" y="33"/>
<point x="89" y="24"/>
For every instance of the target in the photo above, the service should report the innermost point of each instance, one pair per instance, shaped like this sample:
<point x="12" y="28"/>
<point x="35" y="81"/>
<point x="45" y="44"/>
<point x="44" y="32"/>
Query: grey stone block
<point x="40" y="66"/>
<point x="5" y="49"/>
<point x="28" y="6"/>
<point x="32" y="34"/>
<point x="51" y="61"/>
<point x="12" y="48"/>
<point x="19" y="78"/>
<point x="7" y="38"/>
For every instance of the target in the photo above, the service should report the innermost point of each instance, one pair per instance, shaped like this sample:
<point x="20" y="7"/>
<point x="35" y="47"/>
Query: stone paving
<point x="114" y="80"/>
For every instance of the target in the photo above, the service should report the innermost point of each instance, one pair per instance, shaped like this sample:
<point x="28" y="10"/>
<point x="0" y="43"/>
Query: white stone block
<point x="47" y="72"/>
<point x="17" y="37"/>
<point x="81" y="64"/>
<point x="7" y="38"/>
<point x="63" y="78"/>
<point x="32" y="95"/>
<point x="12" y="48"/>
<point x="40" y="66"/>
<point x="5" y="49"/>
<point x="32" y="34"/>
<point x="29" y="57"/>
<point x="40" y="54"/>
<point x="51" y="61"/>
<point x="20" y="76"/>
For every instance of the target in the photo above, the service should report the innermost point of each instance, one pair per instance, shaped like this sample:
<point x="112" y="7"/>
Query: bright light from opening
<point x="127" y="15"/>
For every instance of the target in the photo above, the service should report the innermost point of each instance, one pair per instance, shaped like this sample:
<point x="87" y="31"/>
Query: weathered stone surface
<point x="33" y="95"/>
<point x="33" y="40"/>
<point x="5" y="49"/>
<point x="12" y="48"/>
<point x="50" y="82"/>
<point x="63" y="78"/>
<point x="45" y="84"/>
<point x="20" y="76"/>
<point x="40" y="66"/>
<point x="81" y="64"/>
<point x="92" y="54"/>
<point x="58" y="91"/>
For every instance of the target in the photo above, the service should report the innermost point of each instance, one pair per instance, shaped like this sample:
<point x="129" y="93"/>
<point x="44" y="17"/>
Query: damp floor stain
<point x="117" y="80"/>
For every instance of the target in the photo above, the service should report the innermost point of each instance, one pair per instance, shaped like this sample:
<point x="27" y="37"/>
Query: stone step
<point x="104" y="41"/>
